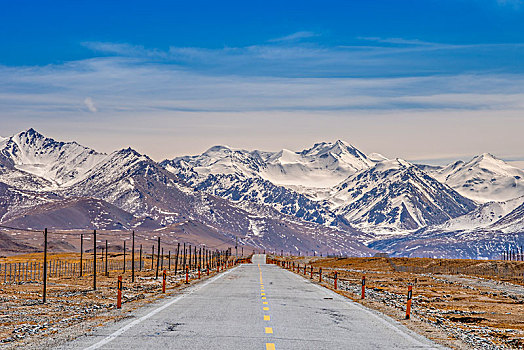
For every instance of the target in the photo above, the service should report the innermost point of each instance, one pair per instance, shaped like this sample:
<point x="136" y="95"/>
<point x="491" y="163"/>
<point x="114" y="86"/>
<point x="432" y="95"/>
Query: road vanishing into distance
<point x="254" y="306"/>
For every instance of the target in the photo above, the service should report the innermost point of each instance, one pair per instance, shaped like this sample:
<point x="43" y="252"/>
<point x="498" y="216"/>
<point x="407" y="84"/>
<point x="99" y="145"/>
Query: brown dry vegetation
<point x="472" y="310"/>
<point x="72" y="302"/>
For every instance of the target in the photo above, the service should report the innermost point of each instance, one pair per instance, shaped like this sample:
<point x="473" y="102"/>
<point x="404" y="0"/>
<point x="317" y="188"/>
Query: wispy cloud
<point x="369" y="94"/>
<point x="366" y="57"/>
<point x="88" y="101"/>
<point x="295" y="37"/>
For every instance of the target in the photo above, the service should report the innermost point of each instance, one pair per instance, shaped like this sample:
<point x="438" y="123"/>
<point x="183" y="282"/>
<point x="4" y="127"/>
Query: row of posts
<point x="190" y="258"/>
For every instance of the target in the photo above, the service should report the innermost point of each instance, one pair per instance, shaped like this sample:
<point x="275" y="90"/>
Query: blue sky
<point x="422" y="80"/>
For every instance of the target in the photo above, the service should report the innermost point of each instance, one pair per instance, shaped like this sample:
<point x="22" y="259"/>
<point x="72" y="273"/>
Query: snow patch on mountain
<point x="396" y="195"/>
<point x="483" y="179"/>
<point x="58" y="162"/>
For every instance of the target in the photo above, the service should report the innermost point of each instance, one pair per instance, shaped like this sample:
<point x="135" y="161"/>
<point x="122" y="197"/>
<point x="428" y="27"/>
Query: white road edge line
<point x="117" y="333"/>
<point x="389" y="322"/>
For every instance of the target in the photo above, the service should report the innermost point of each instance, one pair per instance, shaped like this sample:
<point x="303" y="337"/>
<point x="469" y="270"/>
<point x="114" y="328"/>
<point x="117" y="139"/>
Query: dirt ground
<point x="73" y="307"/>
<point x="457" y="310"/>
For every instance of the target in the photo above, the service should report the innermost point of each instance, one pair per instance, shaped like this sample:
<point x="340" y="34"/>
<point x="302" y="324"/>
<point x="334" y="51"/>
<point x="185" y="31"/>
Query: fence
<point x="101" y="262"/>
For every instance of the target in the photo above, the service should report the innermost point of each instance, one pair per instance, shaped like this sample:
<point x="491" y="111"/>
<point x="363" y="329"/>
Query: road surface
<point x="254" y="306"/>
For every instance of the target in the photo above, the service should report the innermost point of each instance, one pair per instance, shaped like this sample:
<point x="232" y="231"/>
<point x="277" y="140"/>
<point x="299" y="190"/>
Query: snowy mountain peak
<point x="59" y="162"/>
<point x="392" y="164"/>
<point x="396" y="194"/>
<point x="484" y="178"/>
<point x="376" y="157"/>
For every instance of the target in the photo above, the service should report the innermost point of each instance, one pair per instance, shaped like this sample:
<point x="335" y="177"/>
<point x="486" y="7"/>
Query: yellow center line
<point x="268" y="330"/>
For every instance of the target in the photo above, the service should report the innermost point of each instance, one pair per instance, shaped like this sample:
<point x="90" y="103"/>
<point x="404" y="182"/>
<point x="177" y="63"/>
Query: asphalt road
<point x="254" y="306"/>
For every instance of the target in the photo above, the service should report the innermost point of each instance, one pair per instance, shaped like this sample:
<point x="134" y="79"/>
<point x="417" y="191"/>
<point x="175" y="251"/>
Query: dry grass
<point x="472" y="307"/>
<point x="72" y="300"/>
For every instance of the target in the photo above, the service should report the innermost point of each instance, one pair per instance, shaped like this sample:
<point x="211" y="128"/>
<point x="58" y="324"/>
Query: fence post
<point x="162" y="260"/>
<point x="336" y="279"/>
<point x="94" y="259"/>
<point x="184" y="259"/>
<point x="140" y="266"/>
<point x="107" y="271"/>
<point x="119" y="297"/>
<point x="157" y="259"/>
<point x="320" y="274"/>
<point x="363" y="287"/>
<point x="133" y="258"/>
<point x="176" y="259"/>
<point x="45" y="268"/>
<point x="164" y="275"/>
<point x="81" y="252"/>
<point x="153" y="258"/>
<point x="124" y="267"/>
<point x="408" y="306"/>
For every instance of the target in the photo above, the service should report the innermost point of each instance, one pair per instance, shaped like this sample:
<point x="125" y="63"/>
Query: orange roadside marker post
<point x="408" y="306"/>
<point x="336" y="279"/>
<point x="119" y="295"/>
<point x="164" y="275"/>
<point x="363" y="287"/>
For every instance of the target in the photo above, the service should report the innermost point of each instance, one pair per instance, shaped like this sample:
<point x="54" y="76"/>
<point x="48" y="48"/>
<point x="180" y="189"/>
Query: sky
<point x="428" y="81"/>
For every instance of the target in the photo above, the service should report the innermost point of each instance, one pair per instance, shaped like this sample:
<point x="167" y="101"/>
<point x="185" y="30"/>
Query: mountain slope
<point x="74" y="213"/>
<point x="56" y="162"/>
<point x="139" y="185"/>
<point x="323" y="165"/>
<point x="276" y="179"/>
<point x="484" y="178"/>
<point x="396" y="194"/>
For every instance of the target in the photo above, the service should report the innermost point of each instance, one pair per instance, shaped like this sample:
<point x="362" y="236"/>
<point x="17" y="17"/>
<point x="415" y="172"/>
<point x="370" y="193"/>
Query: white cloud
<point x="219" y="98"/>
<point x="88" y="101"/>
<point x="295" y="36"/>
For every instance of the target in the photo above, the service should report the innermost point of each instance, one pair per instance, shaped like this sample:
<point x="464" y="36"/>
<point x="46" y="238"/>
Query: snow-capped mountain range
<point x="328" y="197"/>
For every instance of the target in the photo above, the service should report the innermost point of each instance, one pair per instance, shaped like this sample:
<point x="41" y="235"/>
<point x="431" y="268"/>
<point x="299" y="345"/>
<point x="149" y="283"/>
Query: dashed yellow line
<point x="268" y="330"/>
